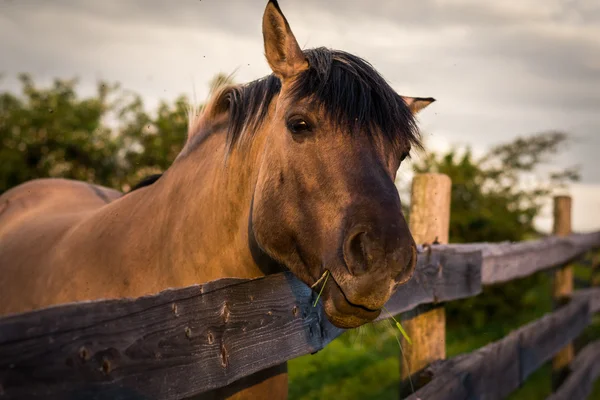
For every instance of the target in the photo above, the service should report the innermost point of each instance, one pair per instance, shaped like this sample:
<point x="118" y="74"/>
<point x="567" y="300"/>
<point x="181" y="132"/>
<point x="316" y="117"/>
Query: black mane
<point x="351" y="91"/>
<point x="146" y="181"/>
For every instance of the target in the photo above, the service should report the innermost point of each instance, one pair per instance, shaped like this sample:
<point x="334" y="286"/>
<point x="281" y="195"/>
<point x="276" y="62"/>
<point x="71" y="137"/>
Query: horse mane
<point x="352" y="93"/>
<point x="146" y="181"/>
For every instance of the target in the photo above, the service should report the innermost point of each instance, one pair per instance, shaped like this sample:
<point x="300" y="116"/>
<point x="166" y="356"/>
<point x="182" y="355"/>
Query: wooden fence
<point x="182" y="342"/>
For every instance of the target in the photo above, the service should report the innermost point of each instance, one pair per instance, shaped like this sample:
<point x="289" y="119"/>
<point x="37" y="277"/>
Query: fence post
<point x="426" y="326"/>
<point x="562" y="287"/>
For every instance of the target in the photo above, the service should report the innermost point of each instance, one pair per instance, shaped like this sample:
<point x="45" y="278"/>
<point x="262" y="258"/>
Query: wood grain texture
<point x="541" y="340"/>
<point x="585" y="370"/>
<point x="503" y="262"/>
<point x="562" y="216"/>
<point x="491" y="372"/>
<point x="430" y="208"/>
<point x="496" y="370"/>
<point x="168" y="346"/>
<point x="429" y="223"/>
<point x="562" y="287"/>
<point x="441" y="275"/>
<point x="186" y="341"/>
<point x="590" y="294"/>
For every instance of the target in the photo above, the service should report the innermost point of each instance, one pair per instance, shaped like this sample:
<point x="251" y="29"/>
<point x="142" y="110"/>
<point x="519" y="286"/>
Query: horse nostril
<point x="408" y="270"/>
<point x="356" y="253"/>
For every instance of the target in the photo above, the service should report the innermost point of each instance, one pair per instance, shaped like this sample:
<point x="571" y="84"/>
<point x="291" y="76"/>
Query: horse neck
<point x="194" y="219"/>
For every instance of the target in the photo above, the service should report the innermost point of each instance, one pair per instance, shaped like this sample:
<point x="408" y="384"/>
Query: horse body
<point x="64" y="241"/>
<point x="36" y="218"/>
<point x="295" y="171"/>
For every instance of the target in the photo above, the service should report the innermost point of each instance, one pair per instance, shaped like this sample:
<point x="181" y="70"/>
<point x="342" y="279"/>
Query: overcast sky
<point x="497" y="68"/>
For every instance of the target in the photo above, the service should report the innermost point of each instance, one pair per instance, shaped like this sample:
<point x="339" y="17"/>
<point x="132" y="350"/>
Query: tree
<point x="108" y="139"/>
<point x="497" y="198"/>
<point x="151" y="143"/>
<point x="159" y="139"/>
<point x="51" y="132"/>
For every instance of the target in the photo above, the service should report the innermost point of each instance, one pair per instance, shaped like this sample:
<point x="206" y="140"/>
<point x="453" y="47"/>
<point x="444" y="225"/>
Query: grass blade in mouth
<point x="322" y="287"/>
<point x="400" y="328"/>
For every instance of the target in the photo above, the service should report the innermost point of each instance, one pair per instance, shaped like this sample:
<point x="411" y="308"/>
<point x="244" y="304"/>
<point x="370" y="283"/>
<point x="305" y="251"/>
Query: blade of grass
<point x="322" y="287"/>
<point x="405" y="361"/>
<point x="400" y="328"/>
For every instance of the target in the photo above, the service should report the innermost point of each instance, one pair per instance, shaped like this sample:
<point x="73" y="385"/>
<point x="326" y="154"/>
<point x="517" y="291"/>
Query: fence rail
<point x="585" y="369"/>
<point x="503" y="262"/>
<point x="207" y="336"/>
<point x="187" y="341"/>
<point x="496" y="370"/>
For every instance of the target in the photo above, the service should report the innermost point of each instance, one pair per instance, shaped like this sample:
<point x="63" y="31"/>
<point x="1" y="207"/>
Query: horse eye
<point x="298" y="126"/>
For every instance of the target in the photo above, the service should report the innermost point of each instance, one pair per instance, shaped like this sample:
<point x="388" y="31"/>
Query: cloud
<point x="497" y="69"/>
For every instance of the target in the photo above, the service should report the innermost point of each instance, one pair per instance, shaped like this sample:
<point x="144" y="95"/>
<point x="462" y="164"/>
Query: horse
<point x="291" y="172"/>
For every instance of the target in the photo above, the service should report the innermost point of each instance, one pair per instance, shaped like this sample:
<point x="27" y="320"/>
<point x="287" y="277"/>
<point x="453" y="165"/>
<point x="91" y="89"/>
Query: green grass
<point x="365" y="363"/>
<point x="359" y="364"/>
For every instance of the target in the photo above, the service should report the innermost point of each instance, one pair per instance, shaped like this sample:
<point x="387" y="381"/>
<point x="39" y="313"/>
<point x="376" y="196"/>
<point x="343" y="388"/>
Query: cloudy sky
<point x="497" y="68"/>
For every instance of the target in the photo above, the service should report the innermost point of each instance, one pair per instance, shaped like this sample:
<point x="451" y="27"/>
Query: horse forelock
<point x="353" y="94"/>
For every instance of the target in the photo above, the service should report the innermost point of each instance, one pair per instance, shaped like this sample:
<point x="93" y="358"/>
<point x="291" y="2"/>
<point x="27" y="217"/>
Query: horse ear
<point x="416" y="104"/>
<point x="281" y="48"/>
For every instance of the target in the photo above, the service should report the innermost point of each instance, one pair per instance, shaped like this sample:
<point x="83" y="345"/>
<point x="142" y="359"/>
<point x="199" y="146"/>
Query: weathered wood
<point x="440" y="276"/>
<point x="562" y="287"/>
<point x="496" y="370"/>
<point x="429" y="217"/>
<point x="504" y="261"/>
<point x="168" y="346"/>
<point x="142" y="342"/>
<point x="520" y="259"/>
<point x="562" y="216"/>
<point x="491" y="372"/>
<point x="186" y="341"/>
<point x="590" y="294"/>
<point x="585" y="369"/>
<point x="429" y="223"/>
<point x="544" y="338"/>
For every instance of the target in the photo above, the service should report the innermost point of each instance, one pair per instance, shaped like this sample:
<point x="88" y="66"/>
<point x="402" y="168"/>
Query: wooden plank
<point x="167" y="346"/>
<point x="518" y="257"/>
<point x="592" y="295"/>
<point x="585" y="370"/>
<point x="429" y="222"/>
<point x="429" y="216"/>
<point x="441" y="275"/>
<point x="185" y="341"/>
<point x="549" y="334"/>
<point x="63" y="349"/>
<point x="50" y="320"/>
<point x="496" y="370"/>
<point x="491" y="372"/>
<point x="562" y="287"/>
<point x="503" y="262"/>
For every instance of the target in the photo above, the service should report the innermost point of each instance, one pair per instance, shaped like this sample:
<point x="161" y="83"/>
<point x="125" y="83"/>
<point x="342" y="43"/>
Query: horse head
<point x="325" y="204"/>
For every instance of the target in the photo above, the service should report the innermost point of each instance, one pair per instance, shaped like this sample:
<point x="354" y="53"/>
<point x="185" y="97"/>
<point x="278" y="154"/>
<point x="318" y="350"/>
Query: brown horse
<point x="293" y="171"/>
